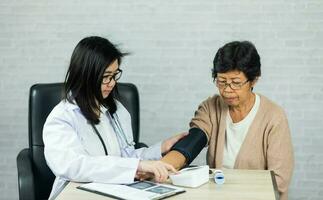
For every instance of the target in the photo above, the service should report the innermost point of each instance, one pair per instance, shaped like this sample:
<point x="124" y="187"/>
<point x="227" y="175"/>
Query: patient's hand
<point x="168" y="143"/>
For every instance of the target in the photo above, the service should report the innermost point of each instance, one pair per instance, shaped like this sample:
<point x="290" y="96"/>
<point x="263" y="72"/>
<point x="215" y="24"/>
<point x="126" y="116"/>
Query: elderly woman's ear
<point x="254" y="82"/>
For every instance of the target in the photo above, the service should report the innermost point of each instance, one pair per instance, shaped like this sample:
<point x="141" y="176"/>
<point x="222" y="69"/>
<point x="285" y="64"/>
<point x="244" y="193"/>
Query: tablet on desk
<point x="145" y="190"/>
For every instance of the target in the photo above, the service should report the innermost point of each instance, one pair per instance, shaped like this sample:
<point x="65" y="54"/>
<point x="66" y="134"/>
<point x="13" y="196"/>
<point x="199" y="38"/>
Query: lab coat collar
<point x="71" y="105"/>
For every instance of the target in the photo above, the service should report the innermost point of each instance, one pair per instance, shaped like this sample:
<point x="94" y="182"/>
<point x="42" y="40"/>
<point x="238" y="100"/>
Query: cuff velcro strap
<point x="191" y="145"/>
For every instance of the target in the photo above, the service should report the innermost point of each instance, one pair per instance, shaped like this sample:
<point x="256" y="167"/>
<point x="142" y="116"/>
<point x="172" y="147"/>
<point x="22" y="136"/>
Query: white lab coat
<point x="74" y="152"/>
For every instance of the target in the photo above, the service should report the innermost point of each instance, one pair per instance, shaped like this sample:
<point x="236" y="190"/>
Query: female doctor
<point x="88" y="135"/>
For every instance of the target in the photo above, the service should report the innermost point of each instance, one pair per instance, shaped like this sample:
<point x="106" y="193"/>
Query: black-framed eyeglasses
<point x="233" y="85"/>
<point x="108" y="78"/>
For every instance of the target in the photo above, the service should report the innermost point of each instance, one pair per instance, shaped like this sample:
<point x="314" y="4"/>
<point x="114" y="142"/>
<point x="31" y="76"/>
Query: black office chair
<point x="35" y="179"/>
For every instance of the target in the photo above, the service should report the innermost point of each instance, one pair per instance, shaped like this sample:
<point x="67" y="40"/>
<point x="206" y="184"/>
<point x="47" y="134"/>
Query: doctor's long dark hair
<point x="89" y="60"/>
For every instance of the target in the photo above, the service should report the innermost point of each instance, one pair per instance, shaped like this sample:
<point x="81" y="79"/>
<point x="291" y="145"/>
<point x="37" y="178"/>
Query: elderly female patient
<point x="243" y="129"/>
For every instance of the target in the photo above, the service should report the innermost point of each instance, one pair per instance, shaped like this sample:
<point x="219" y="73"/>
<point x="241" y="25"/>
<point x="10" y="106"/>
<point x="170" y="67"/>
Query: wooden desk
<point x="239" y="184"/>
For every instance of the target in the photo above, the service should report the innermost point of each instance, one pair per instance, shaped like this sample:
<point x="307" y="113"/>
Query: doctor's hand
<point x="158" y="168"/>
<point x="144" y="176"/>
<point x="168" y="144"/>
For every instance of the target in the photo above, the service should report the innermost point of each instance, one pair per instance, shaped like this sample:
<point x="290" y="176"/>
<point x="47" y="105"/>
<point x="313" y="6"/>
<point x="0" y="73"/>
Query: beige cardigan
<point x="267" y="144"/>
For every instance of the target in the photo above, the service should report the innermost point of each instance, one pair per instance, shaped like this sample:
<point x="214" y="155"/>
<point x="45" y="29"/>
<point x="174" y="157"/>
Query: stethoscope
<point x="116" y="125"/>
<point x="118" y="129"/>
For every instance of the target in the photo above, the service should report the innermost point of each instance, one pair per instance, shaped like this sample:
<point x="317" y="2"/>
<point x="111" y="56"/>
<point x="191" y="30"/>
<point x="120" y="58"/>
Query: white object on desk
<point x="218" y="177"/>
<point x="191" y="177"/>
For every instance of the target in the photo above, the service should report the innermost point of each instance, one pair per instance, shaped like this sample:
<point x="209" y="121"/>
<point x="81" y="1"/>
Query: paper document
<point x="144" y="190"/>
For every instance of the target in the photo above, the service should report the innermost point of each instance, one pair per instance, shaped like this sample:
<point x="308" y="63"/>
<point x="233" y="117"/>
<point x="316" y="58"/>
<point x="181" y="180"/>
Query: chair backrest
<point x="43" y="98"/>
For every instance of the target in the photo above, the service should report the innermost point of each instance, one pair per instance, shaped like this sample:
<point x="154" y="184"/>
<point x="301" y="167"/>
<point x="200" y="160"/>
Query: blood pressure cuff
<point x="191" y="145"/>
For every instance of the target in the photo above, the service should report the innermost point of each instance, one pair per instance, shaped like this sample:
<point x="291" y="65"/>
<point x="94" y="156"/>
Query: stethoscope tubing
<point x="118" y="129"/>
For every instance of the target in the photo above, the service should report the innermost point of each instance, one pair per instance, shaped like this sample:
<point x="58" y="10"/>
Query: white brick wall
<point x="172" y="45"/>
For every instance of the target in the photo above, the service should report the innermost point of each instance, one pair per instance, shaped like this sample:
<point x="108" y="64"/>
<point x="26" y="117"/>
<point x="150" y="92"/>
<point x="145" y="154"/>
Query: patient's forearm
<point x="175" y="158"/>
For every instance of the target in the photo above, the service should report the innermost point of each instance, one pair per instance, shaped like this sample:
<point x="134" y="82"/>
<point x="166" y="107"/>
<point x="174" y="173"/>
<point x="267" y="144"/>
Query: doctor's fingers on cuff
<point x="178" y="137"/>
<point x="168" y="143"/>
<point x="181" y="135"/>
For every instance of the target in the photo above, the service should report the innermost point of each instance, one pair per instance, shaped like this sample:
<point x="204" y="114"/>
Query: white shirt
<point x="235" y="135"/>
<point x="74" y="152"/>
